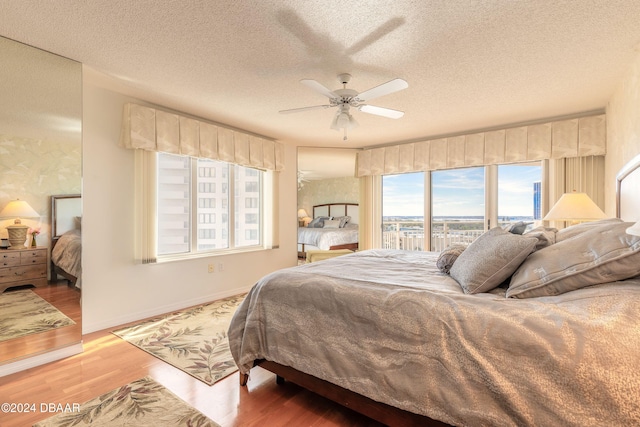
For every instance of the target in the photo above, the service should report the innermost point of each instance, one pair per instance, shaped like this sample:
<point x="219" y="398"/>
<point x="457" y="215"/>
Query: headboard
<point x="338" y="209"/>
<point x="628" y="191"/>
<point x="65" y="211"/>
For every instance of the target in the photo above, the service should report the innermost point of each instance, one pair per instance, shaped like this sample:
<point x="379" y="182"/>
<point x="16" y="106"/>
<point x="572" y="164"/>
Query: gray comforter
<point x="390" y="326"/>
<point x="67" y="254"/>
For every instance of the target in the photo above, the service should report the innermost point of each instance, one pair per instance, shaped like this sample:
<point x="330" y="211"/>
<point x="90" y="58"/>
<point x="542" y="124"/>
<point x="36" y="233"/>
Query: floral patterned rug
<point x="141" y="403"/>
<point x="24" y="313"/>
<point x="194" y="340"/>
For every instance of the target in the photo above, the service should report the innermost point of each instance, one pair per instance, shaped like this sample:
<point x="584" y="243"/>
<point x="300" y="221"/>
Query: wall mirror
<point x="40" y="157"/>
<point x="326" y="176"/>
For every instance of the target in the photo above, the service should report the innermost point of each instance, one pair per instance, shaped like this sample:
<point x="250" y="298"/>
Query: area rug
<point x="141" y="403"/>
<point x="24" y="313"/>
<point x="194" y="340"/>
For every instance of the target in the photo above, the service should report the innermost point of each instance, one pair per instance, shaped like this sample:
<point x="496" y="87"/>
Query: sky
<point x="460" y="192"/>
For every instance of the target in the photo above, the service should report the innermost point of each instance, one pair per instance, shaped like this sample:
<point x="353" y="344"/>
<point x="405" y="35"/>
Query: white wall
<point x="115" y="289"/>
<point x="623" y="130"/>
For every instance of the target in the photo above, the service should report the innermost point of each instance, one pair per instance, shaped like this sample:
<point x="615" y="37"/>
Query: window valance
<point x="151" y="129"/>
<point x="584" y="136"/>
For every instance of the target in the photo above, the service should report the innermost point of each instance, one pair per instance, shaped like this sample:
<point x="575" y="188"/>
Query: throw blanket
<point x="390" y="326"/>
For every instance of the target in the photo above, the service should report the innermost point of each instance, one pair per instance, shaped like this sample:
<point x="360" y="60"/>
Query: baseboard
<point x="41" y="359"/>
<point x="134" y="317"/>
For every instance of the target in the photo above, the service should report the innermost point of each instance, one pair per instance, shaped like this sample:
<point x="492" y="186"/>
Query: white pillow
<point x="331" y="223"/>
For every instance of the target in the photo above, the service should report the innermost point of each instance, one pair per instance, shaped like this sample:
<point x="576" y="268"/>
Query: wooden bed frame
<point x="392" y="416"/>
<point x="64" y="209"/>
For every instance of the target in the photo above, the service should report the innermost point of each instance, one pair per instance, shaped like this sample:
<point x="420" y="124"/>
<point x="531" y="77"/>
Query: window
<point x="463" y="203"/>
<point x="193" y="218"/>
<point x="519" y="193"/>
<point x="403" y="211"/>
<point x="457" y="206"/>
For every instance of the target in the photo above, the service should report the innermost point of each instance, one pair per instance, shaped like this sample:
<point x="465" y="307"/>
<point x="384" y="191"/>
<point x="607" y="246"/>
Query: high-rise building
<point x="537" y="199"/>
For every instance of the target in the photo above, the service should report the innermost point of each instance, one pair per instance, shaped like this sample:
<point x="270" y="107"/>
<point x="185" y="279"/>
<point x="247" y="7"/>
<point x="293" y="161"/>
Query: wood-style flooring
<point x="109" y="362"/>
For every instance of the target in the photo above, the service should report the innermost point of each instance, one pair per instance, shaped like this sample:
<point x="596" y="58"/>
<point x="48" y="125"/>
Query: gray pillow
<point x="516" y="227"/>
<point x="448" y="256"/>
<point x="603" y="254"/>
<point x="574" y="230"/>
<point x="490" y="260"/>
<point x="343" y="220"/>
<point x="318" y="222"/>
<point x="546" y="236"/>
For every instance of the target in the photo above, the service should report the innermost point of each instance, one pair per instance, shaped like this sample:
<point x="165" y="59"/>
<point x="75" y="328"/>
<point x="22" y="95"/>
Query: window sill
<point x="210" y="254"/>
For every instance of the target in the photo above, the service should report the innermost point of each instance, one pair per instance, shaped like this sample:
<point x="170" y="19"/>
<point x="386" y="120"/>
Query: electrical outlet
<point x="221" y="267"/>
<point x="211" y="268"/>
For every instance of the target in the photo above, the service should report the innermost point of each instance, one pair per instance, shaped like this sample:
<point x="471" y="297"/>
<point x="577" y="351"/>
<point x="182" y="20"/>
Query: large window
<point x="193" y="217"/>
<point x="462" y="203"/>
<point x="457" y="206"/>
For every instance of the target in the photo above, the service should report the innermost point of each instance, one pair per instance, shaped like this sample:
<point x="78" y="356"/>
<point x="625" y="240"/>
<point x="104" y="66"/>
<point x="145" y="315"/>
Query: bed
<point x="66" y="238"/>
<point x="345" y="236"/>
<point x="407" y="344"/>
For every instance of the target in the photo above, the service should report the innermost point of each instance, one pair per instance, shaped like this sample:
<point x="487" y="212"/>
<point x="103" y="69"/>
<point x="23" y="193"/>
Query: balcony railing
<point x="409" y="235"/>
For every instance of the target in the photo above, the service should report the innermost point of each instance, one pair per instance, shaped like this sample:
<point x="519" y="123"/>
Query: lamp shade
<point x="634" y="229"/>
<point x="302" y="213"/>
<point x="575" y="207"/>
<point x="18" y="209"/>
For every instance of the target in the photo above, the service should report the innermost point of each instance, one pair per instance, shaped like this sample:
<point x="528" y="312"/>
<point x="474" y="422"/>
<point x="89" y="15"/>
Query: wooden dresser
<point x="23" y="267"/>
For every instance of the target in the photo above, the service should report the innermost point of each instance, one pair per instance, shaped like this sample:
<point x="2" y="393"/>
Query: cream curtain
<point x="580" y="137"/>
<point x="151" y="129"/>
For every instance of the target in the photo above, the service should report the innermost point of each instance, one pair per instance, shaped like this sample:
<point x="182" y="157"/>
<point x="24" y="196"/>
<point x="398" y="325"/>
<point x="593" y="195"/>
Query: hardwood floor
<point x="109" y="362"/>
<point x="67" y="300"/>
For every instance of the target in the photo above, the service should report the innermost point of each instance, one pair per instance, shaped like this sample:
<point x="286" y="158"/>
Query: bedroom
<point x="119" y="290"/>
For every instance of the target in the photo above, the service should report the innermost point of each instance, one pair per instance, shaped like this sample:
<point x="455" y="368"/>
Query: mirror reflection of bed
<point x="41" y="145"/>
<point x="327" y="187"/>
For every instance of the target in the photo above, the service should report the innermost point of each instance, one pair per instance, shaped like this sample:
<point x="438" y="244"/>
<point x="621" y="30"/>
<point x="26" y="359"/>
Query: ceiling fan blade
<point x="297" y="110"/>
<point x="380" y="111"/>
<point x="384" y="89"/>
<point x="322" y="90"/>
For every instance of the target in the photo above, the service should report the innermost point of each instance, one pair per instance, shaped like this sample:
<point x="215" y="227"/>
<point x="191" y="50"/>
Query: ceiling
<point x="470" y="64"/>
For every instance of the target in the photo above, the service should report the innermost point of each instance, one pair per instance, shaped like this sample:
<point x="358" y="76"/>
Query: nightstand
<point x="26" y="266"/>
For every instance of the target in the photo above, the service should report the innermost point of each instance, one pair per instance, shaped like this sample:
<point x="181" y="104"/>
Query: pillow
<point x="546" y="236"/>
<point x="574" y="230"/>
<point x="600" y="255"/>
<point x="516" y="227"/>
<point x="318" y="222"/>
<point x="448" y="256"/>
<point x="331" y="223"/>
<point x="490" y="260"/>
<point x="77" y="221"/>
<point x="343" y="220"/>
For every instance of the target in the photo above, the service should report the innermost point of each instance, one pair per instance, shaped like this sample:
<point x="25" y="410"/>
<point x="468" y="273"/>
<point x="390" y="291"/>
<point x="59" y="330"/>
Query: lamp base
<point x="17" y="236"/>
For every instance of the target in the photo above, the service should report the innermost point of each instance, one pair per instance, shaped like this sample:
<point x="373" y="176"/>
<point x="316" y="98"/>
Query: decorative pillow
<point x="331" y="223"/>
<point x="490" y="260"/>
<point x="77" y="221"/>
<point x="546" y="236"/>
<point x="516" y="227"/>
<point x="600" y="255"/>
<point x="318" y="222"/>
<point x="448" y="256"/>
<point x="343" y="220"/>
<point x="574" y="230"/>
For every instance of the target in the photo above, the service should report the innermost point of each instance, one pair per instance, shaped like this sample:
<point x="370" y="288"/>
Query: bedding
<point x="66" y="255"/>
<point x="399" y="331"/>
<point x="325" y="238"/>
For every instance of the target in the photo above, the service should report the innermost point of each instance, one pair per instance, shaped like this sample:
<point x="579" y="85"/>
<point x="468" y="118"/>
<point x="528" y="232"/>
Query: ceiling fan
<point x="345" y="98"/>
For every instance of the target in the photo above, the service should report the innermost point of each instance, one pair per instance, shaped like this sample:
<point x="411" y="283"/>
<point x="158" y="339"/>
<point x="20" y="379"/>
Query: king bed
<point x="524" y="330"/>
<point x="334" y="226"/>
<point x="66" y="238"/>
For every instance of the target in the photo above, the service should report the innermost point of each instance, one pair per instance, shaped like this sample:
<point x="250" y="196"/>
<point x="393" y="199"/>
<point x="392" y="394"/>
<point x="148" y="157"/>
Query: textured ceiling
<point x="469" y="64"/>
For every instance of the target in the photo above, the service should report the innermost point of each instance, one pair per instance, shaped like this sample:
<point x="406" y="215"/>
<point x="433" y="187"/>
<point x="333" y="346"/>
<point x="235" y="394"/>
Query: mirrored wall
<point x="40" y="157"/>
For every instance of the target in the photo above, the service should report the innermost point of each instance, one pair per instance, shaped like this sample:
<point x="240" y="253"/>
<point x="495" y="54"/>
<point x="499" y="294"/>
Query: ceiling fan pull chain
<point x="345" y="134"/>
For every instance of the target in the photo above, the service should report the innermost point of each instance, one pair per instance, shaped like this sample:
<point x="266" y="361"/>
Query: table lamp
<point x="575" y="207"/>
<point x="17" y="232"/>
<point x="302" y="216"/>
